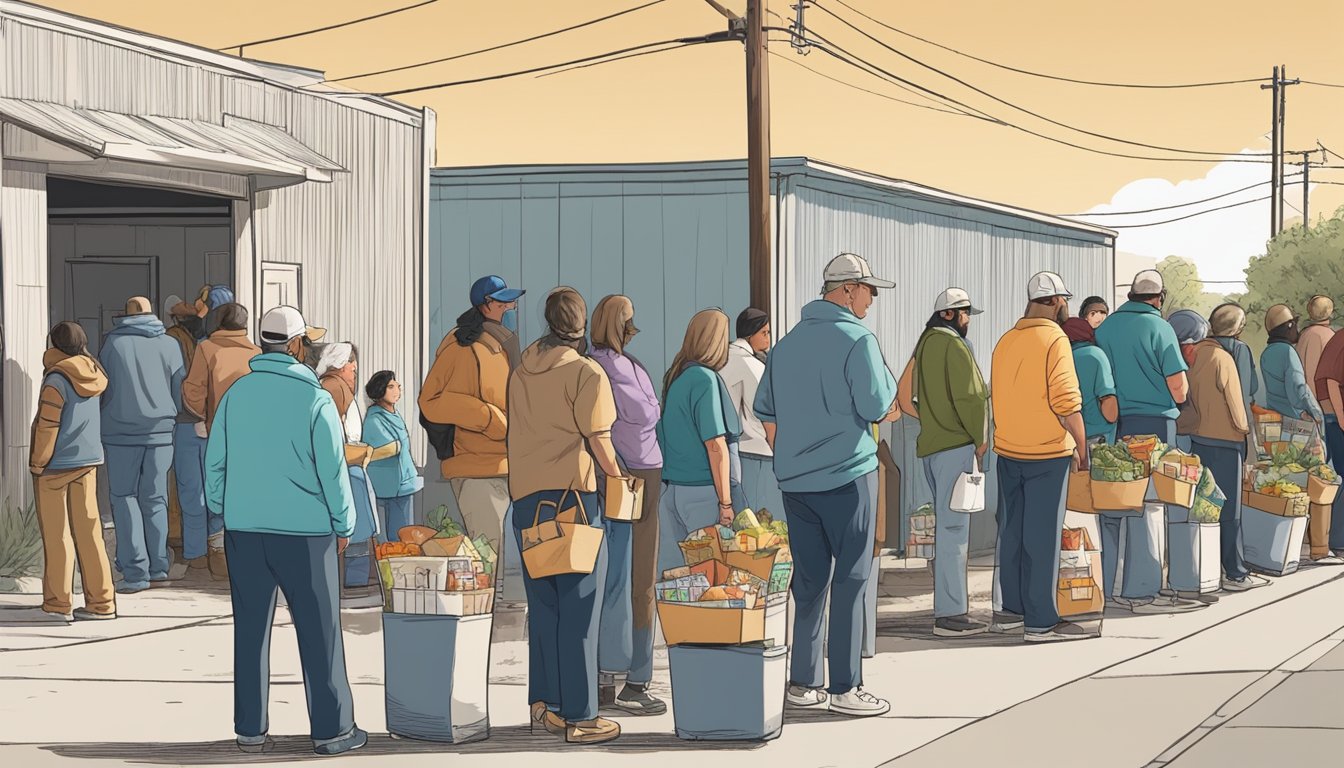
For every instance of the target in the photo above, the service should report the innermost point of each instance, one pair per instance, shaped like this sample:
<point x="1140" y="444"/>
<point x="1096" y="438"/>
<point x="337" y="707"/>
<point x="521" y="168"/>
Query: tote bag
<point x="562" y="545"/>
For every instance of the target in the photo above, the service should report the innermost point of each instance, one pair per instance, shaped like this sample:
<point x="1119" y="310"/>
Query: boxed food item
<point x="731" y="597"/>
<point x="431" y="602"/>
<point x="724" y="622"/>
<point x="1175" y="483"/>
<point x="1318" y="530"/>
<point x="1079" y="497"/>
<point x="1079" y="592"/>
<point x="1073" y="539"/>
<point x="1322" y="484"/>
<point x="1120" y="473"/>
<point x="419" y="572"/>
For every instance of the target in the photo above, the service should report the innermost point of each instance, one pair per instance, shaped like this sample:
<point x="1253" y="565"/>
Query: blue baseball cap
<point x="493" y="287"/>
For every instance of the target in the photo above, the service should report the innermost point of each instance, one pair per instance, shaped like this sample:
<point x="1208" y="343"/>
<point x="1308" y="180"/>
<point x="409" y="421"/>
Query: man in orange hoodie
<point x="464" y="406"/>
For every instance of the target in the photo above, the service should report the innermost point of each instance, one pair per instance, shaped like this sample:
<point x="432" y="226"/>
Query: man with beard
<point x="943" y="388"/>
<point x="1040" y="436"/>
<point x="1286" y="389"/>
<point x="1150" y="383"/>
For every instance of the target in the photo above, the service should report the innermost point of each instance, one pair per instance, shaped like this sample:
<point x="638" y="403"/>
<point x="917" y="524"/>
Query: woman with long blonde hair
<point x="698" y="434"/>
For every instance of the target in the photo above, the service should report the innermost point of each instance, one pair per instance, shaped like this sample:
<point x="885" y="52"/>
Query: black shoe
<point x="636" y="700"/>
<point x="958" y="626"/>
<point x="266" y="744"/>
<point x="349" y="743"/>
<point x="1198" y="597"/>
<point x="1006" y="622"/>
<point x="1064" y="630"/>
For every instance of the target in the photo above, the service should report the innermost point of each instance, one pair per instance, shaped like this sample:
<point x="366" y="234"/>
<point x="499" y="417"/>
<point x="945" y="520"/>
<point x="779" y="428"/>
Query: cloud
<point x="1220" y="243"/>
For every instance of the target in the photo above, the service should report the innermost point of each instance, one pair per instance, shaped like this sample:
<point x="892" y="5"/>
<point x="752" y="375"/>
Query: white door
<point x="280" y="286"/>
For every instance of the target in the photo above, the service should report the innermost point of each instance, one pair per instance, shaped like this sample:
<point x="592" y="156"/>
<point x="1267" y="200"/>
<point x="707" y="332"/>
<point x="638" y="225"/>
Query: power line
<point x="1189" y="215"/>
<point x="710" y="38"/>
<point x="625" y="57"/>
<point x="328" y="28"/>
<point x="1179" y="205"/>
<point x="1323" y="85"/>
<point x="1042" y="74"/>
<point x="1010" y="104"/>
<point x="502" y="46"/>
<point x="819" y="73"/>
<point x="871" y="69"/>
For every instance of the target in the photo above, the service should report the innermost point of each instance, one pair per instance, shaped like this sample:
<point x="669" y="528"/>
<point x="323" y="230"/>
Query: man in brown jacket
<point x="466" y="389"/>
<point x="1214" y="416"/>
<point x="217" y="363"/>
<point x="1311" y="342"/>
<point x="183" y="326"/>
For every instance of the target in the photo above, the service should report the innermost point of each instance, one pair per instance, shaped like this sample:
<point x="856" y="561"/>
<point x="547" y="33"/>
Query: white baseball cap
<point x="849" y="268"/>
<point x="1046" y="285"/>
<point x="1149" y="281"/>
<point x="283" y="323"/>
<point x="955" y="298"/>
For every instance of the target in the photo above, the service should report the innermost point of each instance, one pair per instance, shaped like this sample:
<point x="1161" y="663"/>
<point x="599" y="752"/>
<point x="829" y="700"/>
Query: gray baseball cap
<point x="955" y="298"/>
<point x="849" y="268"/>
<point x="1046" y="285"/>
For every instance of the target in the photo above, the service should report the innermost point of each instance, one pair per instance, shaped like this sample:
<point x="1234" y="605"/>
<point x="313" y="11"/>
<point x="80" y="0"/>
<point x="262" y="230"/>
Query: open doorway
<point x="109" y="242"/>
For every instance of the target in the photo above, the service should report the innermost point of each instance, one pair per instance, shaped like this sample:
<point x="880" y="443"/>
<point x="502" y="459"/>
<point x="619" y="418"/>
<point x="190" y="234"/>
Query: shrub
<point x="20" y="541"/>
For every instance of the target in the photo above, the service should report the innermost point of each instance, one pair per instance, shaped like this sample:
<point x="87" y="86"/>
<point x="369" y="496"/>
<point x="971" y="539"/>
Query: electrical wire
<point x="714" y="37"/>
<point x="627" y="56"/>
<point x="1323" y="85"/>
<point x="1010" y="104"/>
<point x="1188" y="215"/>
<point x="502" y="46"/>
<point x="327" y="28"/>
<point x="873" y="70"/>
<point x="819" y="73"/>
<point x="1181" y="205"/>
<point x="1048" y="76"/>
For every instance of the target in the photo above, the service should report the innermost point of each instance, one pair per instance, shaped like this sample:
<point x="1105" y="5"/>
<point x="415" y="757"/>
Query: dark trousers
<point x="831" y="535"/>
<point x="304" y="568"/>
<point x="563" y="615"/>
<point x="1224" y="460"/>
<point x="1030" y="517"/>
<point x="1334" y="446"/>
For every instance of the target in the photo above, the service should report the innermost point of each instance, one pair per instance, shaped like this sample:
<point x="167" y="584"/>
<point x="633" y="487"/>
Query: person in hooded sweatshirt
<point x="1182" y="572"/>
<point x="1286" y="389"/>
<point x="391" y="468"/>
<point x="145" y="371"/>
<point x="64" y="456"/>
<point x="1226" y="323"/>
<point x="561" y="412"/>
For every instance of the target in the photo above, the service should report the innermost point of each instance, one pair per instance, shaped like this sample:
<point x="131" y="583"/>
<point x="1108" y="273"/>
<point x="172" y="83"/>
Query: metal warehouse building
<point x="136" y="165"/>
<point x="673" y="238"/>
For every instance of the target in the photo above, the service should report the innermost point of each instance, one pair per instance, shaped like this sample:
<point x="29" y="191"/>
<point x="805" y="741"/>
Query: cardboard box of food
<point x="1080" y="594"/>
<point x="1172" y="491"/>
<point x="1283" y="506"/>
<point x="759" y="564"/>
<point x="700" y="624"/>
<point x="1321" y="492"/>
<point x="1121" y="496"/>
<point x="1080" y="494"/>
<point x="1318" y="530"/>
<point x="419" y="572"/>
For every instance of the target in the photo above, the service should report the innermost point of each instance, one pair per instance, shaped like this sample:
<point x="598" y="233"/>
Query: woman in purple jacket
<point x="625" y="642"/>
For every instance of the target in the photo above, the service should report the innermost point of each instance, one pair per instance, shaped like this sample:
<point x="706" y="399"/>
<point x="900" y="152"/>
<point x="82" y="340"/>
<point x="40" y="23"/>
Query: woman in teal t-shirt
<point x="395" y="480"/>
<point x="698" y="435"/>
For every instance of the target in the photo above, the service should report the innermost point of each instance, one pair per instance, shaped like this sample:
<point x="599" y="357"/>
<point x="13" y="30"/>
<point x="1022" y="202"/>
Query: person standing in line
<point x="563" y="411"/>
<point x="1101" y="409"/>
<point x="1328" y="384"/>
<point x="1094" y="311"/>
<point x="1216" y="420"/>
<point x="1182" y="574"/>
<point x="742" y="374"/>
<point x="186" y="496"/>
<point x="391" y="469"/>
<point x="337" y="371"/>
<point x="1286" y="390"/>
<point x="1039" y="437"/>
<point x="1150" y="384"/>
<point x="208" y="304"/>
<point x="145" y="371"/>
<point x="628" y="608"/>
<point x="1311" y="342"/>
<point x="943" y="388"/>
<point x="275" y="469"/>
<point x="824" y="388"/>
<point x="465" y="390"/>
<point x="698" y="435"/>
<point x="1225" y="326"/>
<point x="65" y="452"/>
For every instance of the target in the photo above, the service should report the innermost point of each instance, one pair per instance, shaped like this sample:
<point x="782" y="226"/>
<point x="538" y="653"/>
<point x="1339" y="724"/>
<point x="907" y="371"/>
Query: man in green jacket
<point x="943" y="388"/>
<point x="275" y="469"/>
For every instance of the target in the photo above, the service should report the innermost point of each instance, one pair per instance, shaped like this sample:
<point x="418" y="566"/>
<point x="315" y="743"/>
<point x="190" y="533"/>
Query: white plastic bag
<point x="968" y="493"/>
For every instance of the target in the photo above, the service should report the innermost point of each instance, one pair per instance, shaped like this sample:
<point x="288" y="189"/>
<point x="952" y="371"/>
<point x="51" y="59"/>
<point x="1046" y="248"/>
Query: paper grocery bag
<point x="968" y="492"/>
<point x="1079" y="497"/>
<point x="623" y="499"/>
<point x="566" y="544"/>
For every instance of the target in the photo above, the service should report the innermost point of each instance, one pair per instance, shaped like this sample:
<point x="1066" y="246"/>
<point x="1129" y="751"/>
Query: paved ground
<point x="154" y="688"/>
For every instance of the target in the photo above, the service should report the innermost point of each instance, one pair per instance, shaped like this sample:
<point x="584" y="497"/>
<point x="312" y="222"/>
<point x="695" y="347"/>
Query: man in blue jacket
<point x="145" y="370"/>
<point x="275" y="469"/>
<point x="824" y="388"/>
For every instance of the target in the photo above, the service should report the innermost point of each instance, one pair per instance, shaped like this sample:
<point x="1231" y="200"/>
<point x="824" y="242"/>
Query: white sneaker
<point x="1232" y="585"/>
<point x="859" y="703"/>
<point x="1258" y="580"/>
<point x="798" y="696"/>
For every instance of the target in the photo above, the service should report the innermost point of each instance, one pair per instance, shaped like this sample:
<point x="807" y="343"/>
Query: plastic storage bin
<point x="1199" y="567"/>
<point x="436" y="673"/>
<point x="1272" y="544"/>
<point x="728" y="693"/>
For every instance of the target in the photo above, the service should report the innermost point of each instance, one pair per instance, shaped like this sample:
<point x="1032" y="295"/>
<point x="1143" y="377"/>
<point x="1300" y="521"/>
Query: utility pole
<point x="1275" y="148"/>
<point x="758" y="157"/>
<point x="1306" y="189"/>
<point x="1284" y="82"/>
<point x="799" y="41"/>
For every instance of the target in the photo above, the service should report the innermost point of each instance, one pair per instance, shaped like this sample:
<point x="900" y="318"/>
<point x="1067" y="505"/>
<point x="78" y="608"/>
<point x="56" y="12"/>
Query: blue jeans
<point x="563" y="616"/>
<point x="682" y="509"/>
<point x="138" y="484"/>
<point x="198" y="524"/>
<point x="304" y="568"/>
<point x="615" y="638"/>
<point x="952" y="537"/>
<point x="760" y="487"/>
<point x="394" y="513"/>
<point x="1334" y="445"/>
<point x="358" y="554"/>
<point x="1029" y="537"/>
<point x="1142" y="553"/>
<point x="831" y="534"/>
<point x="1224" y="461"/>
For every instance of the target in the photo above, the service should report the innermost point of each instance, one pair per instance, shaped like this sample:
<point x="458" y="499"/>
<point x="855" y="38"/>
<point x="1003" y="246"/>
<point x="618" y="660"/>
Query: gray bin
<point x="728" y="693"/>
<point x="436" y="673"/>
<point x="1272" y="544"/>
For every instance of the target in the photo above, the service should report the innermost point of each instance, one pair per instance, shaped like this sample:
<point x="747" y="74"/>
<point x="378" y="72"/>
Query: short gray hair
<point x="831" y="285"/>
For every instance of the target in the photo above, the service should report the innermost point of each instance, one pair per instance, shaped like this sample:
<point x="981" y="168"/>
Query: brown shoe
<point x="199" y="563"/>
<point x="591" y="731"/>
<point x="541" y="716"/>
<point x="219" y="565"/>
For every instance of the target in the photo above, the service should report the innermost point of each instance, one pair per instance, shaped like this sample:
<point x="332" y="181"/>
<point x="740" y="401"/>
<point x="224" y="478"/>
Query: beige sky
<point x="688" y="104"/>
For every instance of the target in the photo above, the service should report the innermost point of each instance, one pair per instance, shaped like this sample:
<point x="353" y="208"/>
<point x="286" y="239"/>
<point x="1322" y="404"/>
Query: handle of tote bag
<point x="536" y="518"/>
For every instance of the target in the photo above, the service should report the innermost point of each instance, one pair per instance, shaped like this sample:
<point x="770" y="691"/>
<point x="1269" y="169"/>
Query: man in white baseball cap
<point x="1150" y="384"/>
<point x="275" y="468"/>
<point x="943" y="388"/>
<point x="1039" y="437"/>
<point x="844" y="281"/>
